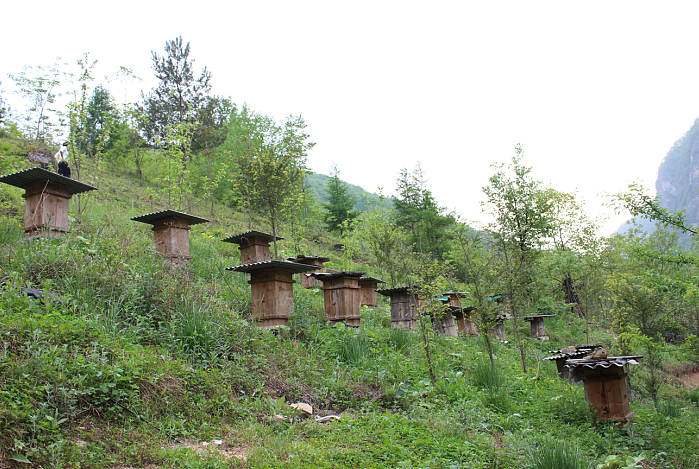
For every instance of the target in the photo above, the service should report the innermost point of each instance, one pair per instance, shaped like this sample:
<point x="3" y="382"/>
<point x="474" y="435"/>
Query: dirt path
<point x="691" y="380"/>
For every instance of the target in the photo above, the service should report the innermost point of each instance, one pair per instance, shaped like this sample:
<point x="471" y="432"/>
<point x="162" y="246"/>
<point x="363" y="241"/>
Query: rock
<point x="43" y="156"/>
<point x="599" y="354"/>
<point x="303" y="407"/>
<point x="278" y="418"/>
<point x="217" y="442"/>
<point x="569" y="349"/>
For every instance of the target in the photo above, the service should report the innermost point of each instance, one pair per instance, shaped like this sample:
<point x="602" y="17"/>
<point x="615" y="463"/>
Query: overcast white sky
<point x="597" y="92"/>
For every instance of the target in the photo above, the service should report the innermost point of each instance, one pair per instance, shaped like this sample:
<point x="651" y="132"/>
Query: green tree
<point x="101" y="113"/>
<point x="522" y="213"/>
<point x="40" y="86"/>
<point x="178" y="97"/>
<point x="268" y="161"/>
<point x="418" y="213"/>
<point x="340" y="209"/>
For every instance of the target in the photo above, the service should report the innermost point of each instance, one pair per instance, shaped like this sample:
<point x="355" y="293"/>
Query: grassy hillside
<point x="318" y="182"/>
<point x="142" y="364"/>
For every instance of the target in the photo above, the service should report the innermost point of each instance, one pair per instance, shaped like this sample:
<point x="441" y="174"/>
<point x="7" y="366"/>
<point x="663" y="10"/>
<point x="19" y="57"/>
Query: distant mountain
<point x="678" y="176"/>
<point x="319" y="183"/>
<point x="678" y="179"/>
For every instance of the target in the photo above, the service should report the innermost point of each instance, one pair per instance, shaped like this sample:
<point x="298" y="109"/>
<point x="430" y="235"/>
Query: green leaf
<point x="20" y="458"/>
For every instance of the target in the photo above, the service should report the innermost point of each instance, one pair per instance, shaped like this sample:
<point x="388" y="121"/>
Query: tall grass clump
<point x="400" y="339"/>
<point x="556" y="454"/>
<point x="10" y="231"/>
<point x="487" y="376"/>
<point x="353" y="348"/>
<point x="670" y="408"/>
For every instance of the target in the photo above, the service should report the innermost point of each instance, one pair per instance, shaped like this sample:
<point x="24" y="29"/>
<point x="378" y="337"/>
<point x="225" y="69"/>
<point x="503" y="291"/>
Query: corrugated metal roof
<point x="370" y="279"/>
<point x="604" y="363"/>
<point x="236" y="239"/>
<point x="580" y="351"/>
<point x="535" y="316"/>
<point x="389" y="291"/>
<point x="342" y="273"/>
<point x="24" y="178"/>
<point x="301" y="257"/>
<point x="293" y="266"/>
<point x="151" y="217"/>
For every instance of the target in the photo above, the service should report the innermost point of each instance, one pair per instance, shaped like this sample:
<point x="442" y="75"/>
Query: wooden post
<point x="47" y="198"/>
<point x="367" y="291"/>
<point x="341" y="296"/>
<point x="271" y="285"/>
<point x="171" y="232"/>
<point x="404" y="307"/>
<point x="308" y="281"/>
<point x="254" y="246"/>
<point x="538" y="331"/>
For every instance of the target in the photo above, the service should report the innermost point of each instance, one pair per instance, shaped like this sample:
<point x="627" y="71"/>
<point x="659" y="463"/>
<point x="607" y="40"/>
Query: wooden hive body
<point x="498" y="331"/>
<point x="605" y="389"/>
<point x="46" y="207"/>
<point x="341" y="295"/>
<point x="367" y="292"/>
<point x="272" y="296"/>
<point x="443" y="323"/>
<point x="254" y="249"/>
<point x="404" y="310"/>
<point x="172" y="237"/>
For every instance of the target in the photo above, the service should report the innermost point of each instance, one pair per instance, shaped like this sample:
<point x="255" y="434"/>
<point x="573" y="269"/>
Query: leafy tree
<point x="522" y="213"/>
<point x="40" y="87"/>
<point x="268" y="161"/>
<point x="101" y="112"/>
<point x="340" y="209"/>
<point x="179" y="96"/>
<point x="4" y="108"/>
<point x="418" y="213"/>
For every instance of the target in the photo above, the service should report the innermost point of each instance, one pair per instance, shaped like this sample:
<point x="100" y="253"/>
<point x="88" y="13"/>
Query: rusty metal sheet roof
<point x="604" y="363"/>
<point x="535" y="316"/>
<point x="293" y="266"/>
<point x="389" y="291"/>
<point x="341" y="273"/>
<point x="236" y="239"/>
<point x="155" y="216"/>
<point x="580" y="351"/>
<point x="302" y="257"/>
<point x="370" y="279"/>
<point x="23" y="178"/>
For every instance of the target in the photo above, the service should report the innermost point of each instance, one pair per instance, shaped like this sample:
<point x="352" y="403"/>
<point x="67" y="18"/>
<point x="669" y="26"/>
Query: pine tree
<point x="340" y="209"/>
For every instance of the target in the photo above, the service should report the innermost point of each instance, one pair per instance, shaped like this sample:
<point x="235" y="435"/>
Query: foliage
<point x="179" y="96"/>
<point x="340" y="209"/>
<point x="557" y="454"/>
<point x="417" y="212"/>
<point x="40" y="87"/>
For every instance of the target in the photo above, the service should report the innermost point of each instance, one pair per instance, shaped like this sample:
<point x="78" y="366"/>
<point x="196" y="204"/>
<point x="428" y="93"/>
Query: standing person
<point x="61" y="158"/>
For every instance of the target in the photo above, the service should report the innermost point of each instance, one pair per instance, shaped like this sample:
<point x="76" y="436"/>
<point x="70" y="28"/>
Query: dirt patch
<point x="206" y="448"/>
<point x="691" y="380"/>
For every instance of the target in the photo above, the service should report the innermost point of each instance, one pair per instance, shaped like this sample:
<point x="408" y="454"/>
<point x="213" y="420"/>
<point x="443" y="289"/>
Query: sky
<point x="596" y="92"/>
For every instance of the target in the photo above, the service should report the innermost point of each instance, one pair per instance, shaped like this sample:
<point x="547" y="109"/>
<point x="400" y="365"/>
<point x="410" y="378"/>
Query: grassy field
<point x="143" y="364"/>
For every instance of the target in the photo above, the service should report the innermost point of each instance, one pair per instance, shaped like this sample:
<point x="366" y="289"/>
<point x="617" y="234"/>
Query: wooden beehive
<point x="271" y="285"/>
<point x="341" y="296"/>
<point x="605" y="385"/>
<point x="47" y="198"/>
<point x="405" y="307"/>
<point x="464" y="321"/>
<point x="538" y="330"/>
<point x="254" y="246"/>
<point x="498" y="330"/>
<point x="443" y="322"/>
<point x="367" y="291"/>
<point x="308" y="281"/>
<point x="171" y="232"/>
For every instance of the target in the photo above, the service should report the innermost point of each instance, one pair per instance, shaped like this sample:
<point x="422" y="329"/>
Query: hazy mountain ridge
<point x="678" y="176"/>
<point x="319" y="182"/>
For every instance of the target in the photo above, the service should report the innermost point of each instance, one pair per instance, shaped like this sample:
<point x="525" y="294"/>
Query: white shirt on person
<point x="61" y="154"/>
